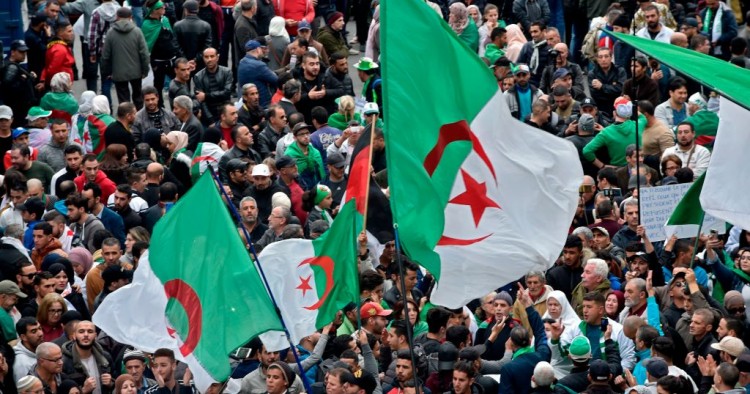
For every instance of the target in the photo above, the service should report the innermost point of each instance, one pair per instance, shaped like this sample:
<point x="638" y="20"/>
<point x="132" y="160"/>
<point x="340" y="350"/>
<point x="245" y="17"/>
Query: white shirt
<point x="665" y="34"/>
<point x="137" y="204"/>
<point x="697" y="161"/>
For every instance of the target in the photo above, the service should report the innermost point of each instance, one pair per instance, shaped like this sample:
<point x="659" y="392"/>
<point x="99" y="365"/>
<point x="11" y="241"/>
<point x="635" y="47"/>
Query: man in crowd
<point x="693" y="156"/>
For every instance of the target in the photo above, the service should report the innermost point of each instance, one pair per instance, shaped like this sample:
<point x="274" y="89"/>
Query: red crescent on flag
<point x="448" y="241"/>
<point x="202" y="158"/>
<point x="452" y="132"/>
<point x="325" y="263"/>
<point x="188" y="298"/>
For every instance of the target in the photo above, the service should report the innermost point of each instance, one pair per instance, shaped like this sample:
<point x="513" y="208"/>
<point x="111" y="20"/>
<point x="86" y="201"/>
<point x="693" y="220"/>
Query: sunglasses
<point x="29" y="276"/>
<point x="734" y="311"/>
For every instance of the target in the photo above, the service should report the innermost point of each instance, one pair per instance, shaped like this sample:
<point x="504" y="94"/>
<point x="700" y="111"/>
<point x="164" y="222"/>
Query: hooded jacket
<point x="102" y="19"/>
<point x="615" y="137"/>
<point x="54" y="246"/>
<point x="74" y="369"/>
<point x="125" y="47"/>
<point x="24" y="362"/>
<point x="108" y="187"/>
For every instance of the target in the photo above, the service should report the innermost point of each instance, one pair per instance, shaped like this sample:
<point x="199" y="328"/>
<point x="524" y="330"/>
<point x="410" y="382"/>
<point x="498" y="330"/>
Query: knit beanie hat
<point x="503" y="295"/>
<point x="26" y="382"/>
<point x="334" y="17"/>
<point x="580" y="349"/>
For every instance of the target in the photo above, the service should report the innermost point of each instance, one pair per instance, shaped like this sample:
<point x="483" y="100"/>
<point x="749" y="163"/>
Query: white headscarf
<point x="567" y="314"/>
<point x="86" y="102"/>
<point x="100" y="105"/>
<point x="60" y="82"/>
<point x="277" y="28"/>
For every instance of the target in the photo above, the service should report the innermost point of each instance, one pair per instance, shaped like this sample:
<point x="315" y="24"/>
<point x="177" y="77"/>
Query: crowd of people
<point x="260" y="92"/>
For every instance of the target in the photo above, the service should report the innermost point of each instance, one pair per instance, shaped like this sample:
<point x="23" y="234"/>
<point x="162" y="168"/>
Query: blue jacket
<point x="516" y="375"/>
<point x="113" y="222"/>
<point x="28" y="235"/>
<point x="254" y="70"/>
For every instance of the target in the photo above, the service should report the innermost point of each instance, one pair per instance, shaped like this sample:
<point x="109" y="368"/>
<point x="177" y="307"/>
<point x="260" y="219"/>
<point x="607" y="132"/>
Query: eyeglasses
<point x="53" y="360"/>
<point x="55" y="311"/>
<point x="679" y="284"/>
<point x="29" y="276"/>
<point x="735" y="311"/>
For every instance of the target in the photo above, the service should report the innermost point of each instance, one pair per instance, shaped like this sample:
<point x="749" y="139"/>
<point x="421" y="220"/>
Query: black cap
<point x="447" y="356"/>
<point x="336" y="159"/>
<point x="743" y="362"/>
<point x="588" y="102"/>
<point x="299" y="127"/>
<point x="31" y="205"/>
<point x="115" y="273"/>
<point x="19" y="45"/>
<point x="71" y="316"/>
<point x="471" y="353"/>
<point x="285" y="161"/>
<point x="236" y="164"/>
<point x="38" y="18"/>
<point x="599" y="371"/>
<point x="365" y="381"/>
<point x="190" y="6"/>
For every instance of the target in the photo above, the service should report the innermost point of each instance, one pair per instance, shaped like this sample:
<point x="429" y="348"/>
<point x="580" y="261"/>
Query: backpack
<point x="591" y="40"/>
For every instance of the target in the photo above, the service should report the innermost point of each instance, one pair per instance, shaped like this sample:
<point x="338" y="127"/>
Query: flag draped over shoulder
<point x="195" y="291"/>
<point x="312" y="280"/>
<point x="206" y="154"/>
<point x="479" y="197"/>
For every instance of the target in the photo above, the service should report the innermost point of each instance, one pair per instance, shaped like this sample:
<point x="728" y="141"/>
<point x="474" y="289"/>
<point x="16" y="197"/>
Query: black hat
<point x="285" y="161"/>
<point x="471" y="353"/>
<point x="336" y="159"/>
<point x="32" y="205"/>
<point x="115" y="273"/>
<point x="656" y="367"/>
<point x="599" y="371"/>
<point x="588" y="102"/>
<point x="190" y="6"/>
<point x="236" y="164"/>
<point x="38" y="18"/>
<point x="19" y="45"/>
<point x="365" y="381"/>
<point x="69" y="316"/>
<point x="743" y="363"/>
<point x="299" y="127"/>
<point x="447" y="356"/>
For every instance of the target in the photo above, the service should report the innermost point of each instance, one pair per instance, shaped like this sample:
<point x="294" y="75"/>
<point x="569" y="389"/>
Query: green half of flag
<point x="689" y="210"/>
<point x="216" y="300"/>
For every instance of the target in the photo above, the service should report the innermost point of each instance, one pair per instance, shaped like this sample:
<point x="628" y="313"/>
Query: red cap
<point x="371" y="309"/>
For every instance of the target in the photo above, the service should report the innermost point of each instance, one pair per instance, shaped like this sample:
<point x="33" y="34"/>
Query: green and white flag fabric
<point x="195" y="291"/>
<point x="688" y="215"/>
<point x="206" y="154"/>
<point x="479" y="197"/>
<point x="313" y="280"/>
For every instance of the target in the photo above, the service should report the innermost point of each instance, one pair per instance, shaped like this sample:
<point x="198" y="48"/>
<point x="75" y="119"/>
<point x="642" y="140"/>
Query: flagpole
<point x="369" y="169"/>
<point x="237" y="216"/>
<point x="697" y="238"/>
<point x="409" y="328"/>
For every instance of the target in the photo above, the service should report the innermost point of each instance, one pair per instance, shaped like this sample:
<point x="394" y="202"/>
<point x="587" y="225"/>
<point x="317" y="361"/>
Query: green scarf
<point x="152" y="27"/>
<point x="718" y="290"/>
<point x="522" y="351"/>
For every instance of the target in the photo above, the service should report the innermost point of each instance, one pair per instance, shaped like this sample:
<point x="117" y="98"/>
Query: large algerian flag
<point x="195" y="291"/>
<point x="479" y="198"/>
<point x="724" y="195"/>
<point x="206" y="154"/>
<point x="312" y="280"/>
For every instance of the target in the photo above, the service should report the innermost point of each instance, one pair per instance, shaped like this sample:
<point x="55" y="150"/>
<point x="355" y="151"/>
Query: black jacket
<point x="129" y="218"/>
<point x="193" y="36"/>
<point x="306" y="104"/>
<point x="245" y="30"/>
<point x="267" y="140"/>
<point x="117" y="134"/>
<point x="337" y="85"/>
<point x="165" y="47"/>
<point x="75" y="370"/>
<point x="612" y="83"/>
<point x="194" y="130"/>
<point x="236" y="153"/>
<point x="263" y="199"/>
<point x="214" y="98"/>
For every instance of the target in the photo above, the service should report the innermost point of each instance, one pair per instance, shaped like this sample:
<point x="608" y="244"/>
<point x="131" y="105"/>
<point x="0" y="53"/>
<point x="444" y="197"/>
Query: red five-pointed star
<point x="475" y="196"/>
<point x="304" y="285"/>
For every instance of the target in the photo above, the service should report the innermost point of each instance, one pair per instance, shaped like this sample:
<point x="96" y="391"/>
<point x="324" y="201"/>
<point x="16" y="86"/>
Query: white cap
<point x="261" y="170"/>
<point x="370" y="109"/>
<point x="6" y="112"/>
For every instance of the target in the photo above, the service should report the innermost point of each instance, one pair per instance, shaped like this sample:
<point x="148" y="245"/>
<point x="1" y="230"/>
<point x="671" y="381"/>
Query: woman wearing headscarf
<point x="558" y="308"/>
<point x="463" y="26"/>
<point x="161" y="42"/>
<point x="102" y="118"/>
<point x="65" y="278"/>
<point x="475" y="14"/>
<point x="372" y="47"/>
<point x="82" y="261"/>
<point x="516" y="39"/>
<point x="82" y="122"/>
<point x="278" y="43"/>
<point x="60" y="99"/>
<point x="179" y="159"/>
<point x="318" y="202"/>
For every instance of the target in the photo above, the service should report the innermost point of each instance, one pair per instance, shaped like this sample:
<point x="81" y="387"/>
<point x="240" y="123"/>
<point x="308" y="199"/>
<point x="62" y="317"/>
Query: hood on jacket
<point x="20" y="350"/>
<point x="123" y="26"/>
<point x="108" y="11"/>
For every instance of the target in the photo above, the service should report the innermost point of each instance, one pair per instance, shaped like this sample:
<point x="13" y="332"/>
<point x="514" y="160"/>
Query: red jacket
<point x="59" y="58"/>
<point x="219" y="16"/>
<point x="108" y="187"/>
<point x="294" y="9"/>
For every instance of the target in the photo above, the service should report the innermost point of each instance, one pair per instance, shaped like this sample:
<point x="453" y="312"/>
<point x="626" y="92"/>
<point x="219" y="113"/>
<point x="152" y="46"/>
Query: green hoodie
<point x="616" y="138"/>
<point x="308" y="164"/>
<point x="492" y="52"/>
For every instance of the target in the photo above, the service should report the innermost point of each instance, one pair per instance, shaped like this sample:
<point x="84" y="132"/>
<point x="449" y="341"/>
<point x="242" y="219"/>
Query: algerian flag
<point x="688" y="215"/>
<point x="479" y="197"/>
<point x="195" y="291"/>
<point x="313" y="280"/>
<point x="206" y="154"/>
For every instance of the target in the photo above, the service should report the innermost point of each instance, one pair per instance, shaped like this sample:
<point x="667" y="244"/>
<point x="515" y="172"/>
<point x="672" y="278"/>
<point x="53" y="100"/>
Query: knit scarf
<point x="151" y="29"/>
<point x="534" y="62"/>
<point x="717" y="25"/>
<point x="522" y="351"/>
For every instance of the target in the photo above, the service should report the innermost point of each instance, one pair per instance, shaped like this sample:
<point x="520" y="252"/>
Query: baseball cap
<point x="447" y="356"/>
<point x="31" y="205"/>
<point x="601" y="230"/>
<point x="299" y="127"/>
<point x="371" y="109"/>
<point x="285" y="161"/>
<point x="636" y="255"/>
<point x="261" y="170"/>
<point x="19" y="45"/>
<point x="336" y="159"/>
<point x="743" y="363"/>
<point x="580" y="349"/>
<point x="472" y="353"/>
<point x="190" y="6"/>
<point x="656" y="367"/>
<point x="304" y="25"/>
<point x="588" y="102"/>
<point x="252" y="45"/>
<point x="5" y="112"/>
<point x="364" y="380"/>
<point x="19" y="131"/>
<point x="8" y="287"/>
<point x="370" y="309"/>
<point x="36" y="113"/>
<point x="731" y="345"/>
<point x="560" y="72"/>
<point x="678" y="276"/>
<point x="635" y="181"/>
<point x="521" y="69"/>
<point x="586" y="123"/>
<point x="599" y="371"/>
<point x="690" y="21"/>
<point x="236" y="164"/>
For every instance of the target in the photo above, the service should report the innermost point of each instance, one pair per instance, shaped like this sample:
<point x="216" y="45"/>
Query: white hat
<point x="371" y="109"/>
<point x="261" y="170"/>
<point x="6" y="112"/>
<point x="697" y="99"/>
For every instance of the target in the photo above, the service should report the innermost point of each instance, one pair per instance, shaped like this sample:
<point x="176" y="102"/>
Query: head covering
<point x="85" y="102"/>
<point x="100" y="105"/>
<point x="67" y="385"/>
<point x="586" y="123"/>
<point x="731" y="345"/>
<point x="212" y="135"/>
<point x="133" y="354"/>
<point x="733" y="295"/>
<point x="623" y="107"/>
<point x="323" y="191"/>
<point x="460" y="17"/>
<point x="280" y="199"/>
<point x="60" y="82"/>
<point x="82" y="256"/>
<point x="697" y="99"/>
<point x="152" y="27"/>
<point x="505" y="296"/>
<point x="288" y="374"/>
<point x="304" y="25"/>
<point x="152" y="137"/>
<point x="179" y="139"/>
<point x="70" y="316"/>
<point x="690" y="21"/>
<point x="277" y="28"/>
<point x="513" y="33"/>
<point x="261" y="170"/>
<point x="599" y="371"/>
<point x="332" y="18"/>
<point x="190" y="6"/>
<point x="447" y="356"/>
<point x="121" y="380"/>
<point x="656" y="367"/>
<point x="567" y="314"/>
<point x="55" y="268"/>
<point x="479" y="20"/>
<point x="580" y="349"/>
<point x="26" y="382"/>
